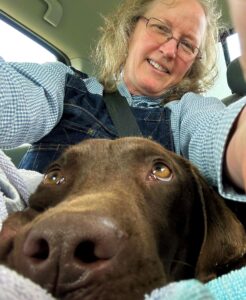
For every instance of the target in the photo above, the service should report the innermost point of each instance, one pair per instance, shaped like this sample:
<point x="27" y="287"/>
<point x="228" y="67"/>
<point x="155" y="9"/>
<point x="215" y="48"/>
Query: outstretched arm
<point x="236" y="153"/>
<point x="31" y="100"/>
<point x="236" y="150"/>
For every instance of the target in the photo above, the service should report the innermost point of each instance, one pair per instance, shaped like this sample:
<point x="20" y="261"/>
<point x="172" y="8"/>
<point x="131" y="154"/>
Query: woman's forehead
<point x="171" y="6"/>
<point x="188" y="15"/>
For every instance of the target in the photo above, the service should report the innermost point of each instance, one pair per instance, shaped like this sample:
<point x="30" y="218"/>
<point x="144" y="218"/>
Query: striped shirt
<point x="31" y="104"/>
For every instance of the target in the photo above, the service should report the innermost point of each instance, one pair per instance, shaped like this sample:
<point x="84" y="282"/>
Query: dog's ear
<point x="224" y="244"/>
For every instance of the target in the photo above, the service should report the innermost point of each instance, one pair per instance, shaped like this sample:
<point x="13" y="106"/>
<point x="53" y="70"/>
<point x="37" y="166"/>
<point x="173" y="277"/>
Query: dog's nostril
<point x="38" y="250"/>
<point x="85" y="252"/>
<point x="42" y="251"/>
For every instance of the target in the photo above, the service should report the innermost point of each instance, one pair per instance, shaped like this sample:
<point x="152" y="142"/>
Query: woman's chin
<point x="153" y="92"/>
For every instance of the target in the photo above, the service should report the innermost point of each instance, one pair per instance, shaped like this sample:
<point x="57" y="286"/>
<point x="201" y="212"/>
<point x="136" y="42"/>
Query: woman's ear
<point x="224" y="245"/>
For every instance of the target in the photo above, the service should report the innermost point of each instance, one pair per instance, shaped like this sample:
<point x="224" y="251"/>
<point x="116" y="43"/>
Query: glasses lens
<point x="187" y="50"/>
<point x="159" y="30"/>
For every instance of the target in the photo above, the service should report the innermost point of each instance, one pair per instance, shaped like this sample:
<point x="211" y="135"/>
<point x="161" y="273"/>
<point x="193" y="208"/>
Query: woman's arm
<point x="31" y="100"/>
<point x="236" y="153"/>
<point x="202" y="132"/>
<point x="236" y="150"/>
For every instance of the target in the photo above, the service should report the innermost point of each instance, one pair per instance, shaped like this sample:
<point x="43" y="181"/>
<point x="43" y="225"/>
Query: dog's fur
<point x="116" y="219"/>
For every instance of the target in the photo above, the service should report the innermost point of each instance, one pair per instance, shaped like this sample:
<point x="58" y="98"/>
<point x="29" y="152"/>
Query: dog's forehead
<point x="129" y="150"/>
<point x="131" y="155"/>
<point x="104" y="148"/>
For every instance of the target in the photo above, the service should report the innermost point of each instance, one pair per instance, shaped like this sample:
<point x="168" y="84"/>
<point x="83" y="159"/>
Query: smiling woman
<point x="159" y="55"/>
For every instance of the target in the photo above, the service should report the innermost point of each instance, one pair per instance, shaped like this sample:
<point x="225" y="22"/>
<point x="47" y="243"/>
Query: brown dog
<point x="115" y="219"/>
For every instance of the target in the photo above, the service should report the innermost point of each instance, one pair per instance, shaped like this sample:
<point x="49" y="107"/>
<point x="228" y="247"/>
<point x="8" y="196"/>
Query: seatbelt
<point x="121" y="115"/>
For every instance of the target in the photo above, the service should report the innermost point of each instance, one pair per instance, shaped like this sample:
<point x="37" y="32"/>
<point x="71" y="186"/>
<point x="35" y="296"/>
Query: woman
<point x="127" y="28"/>
<point x="166" y="50"/>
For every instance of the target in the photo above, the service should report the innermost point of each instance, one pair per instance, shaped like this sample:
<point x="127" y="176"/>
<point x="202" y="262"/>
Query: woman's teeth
<point x="157" y="66"/>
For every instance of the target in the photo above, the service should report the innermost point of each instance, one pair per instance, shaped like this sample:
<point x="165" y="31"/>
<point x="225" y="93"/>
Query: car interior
<point x="69" y="29"/>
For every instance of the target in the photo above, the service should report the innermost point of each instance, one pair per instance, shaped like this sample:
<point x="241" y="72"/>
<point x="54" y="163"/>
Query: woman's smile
<point x="157" y="66"/>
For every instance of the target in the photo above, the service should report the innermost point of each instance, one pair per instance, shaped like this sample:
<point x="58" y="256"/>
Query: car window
<point x="228" y="52"/>
<point x="233" y="46"/>
<point x="16" y="46"/>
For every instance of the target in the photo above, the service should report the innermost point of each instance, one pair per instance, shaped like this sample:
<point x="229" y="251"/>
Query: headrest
<point x="235" y="79"/>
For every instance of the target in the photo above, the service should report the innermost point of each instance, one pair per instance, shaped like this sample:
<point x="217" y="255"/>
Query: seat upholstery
<point x="235" y="81"/>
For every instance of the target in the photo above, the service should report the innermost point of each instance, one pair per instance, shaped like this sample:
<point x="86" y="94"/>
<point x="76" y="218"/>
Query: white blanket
<point x="16" y="287"/>
<point x="15" y="187"/>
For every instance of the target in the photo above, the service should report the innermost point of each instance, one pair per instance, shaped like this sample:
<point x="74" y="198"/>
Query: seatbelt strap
<point x="121" y="115"/>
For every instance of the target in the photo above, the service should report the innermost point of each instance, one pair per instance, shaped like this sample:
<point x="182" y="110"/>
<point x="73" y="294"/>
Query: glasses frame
<point x="171" y="37"/>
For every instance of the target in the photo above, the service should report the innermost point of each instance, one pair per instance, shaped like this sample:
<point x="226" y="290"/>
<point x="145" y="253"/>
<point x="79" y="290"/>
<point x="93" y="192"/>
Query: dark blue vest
<point x="85" y="116"/>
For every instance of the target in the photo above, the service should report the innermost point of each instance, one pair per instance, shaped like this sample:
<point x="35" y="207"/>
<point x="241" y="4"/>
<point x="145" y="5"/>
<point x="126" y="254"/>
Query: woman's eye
<point x="54" y="177"/>
<point x="187" y="45"/>
<point x="161" y="29"/>
<point x="161" y="172"/>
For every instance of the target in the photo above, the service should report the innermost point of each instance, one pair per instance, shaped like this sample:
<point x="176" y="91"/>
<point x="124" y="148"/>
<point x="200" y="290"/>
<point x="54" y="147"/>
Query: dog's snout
<point x="69" y="246"/>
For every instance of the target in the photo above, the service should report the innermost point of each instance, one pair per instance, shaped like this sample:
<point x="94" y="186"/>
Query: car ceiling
<point x="77" y="29"/>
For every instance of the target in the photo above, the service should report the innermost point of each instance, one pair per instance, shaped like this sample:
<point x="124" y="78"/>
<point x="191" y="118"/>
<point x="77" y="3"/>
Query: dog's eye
<point x="54" y="177"/>
<point x="161" y="172"/>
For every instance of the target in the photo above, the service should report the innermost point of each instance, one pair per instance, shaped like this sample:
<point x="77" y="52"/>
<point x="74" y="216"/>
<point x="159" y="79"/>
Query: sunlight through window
<point x="233" y="46"/>
<point x="15" y="46"/>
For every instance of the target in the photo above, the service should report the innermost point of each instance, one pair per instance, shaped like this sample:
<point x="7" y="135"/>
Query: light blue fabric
<point x="231" y="286"/>
<point x="31" y="101"/>
<point x="182" y="290"/>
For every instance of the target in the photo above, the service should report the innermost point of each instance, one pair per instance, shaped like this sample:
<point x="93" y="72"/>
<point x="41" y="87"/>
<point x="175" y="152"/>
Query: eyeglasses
<point x="162" y="33"/>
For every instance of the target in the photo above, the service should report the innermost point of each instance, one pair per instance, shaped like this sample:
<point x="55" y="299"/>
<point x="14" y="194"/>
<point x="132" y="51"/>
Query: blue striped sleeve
<point x="201" y="126"/>
<point x="31" y="100"/>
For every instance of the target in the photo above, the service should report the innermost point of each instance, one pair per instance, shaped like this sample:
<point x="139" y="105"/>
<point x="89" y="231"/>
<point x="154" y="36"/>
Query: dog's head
<point x="116" y="219"/>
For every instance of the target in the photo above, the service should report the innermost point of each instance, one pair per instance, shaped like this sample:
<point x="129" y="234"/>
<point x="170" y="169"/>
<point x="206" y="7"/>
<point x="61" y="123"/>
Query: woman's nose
<point x="169" y="48"/>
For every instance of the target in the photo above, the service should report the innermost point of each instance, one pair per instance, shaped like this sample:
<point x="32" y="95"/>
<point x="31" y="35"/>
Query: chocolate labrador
<point x="113" y="220"/>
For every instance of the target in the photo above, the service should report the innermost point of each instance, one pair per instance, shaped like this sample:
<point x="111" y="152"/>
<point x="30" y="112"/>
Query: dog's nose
<point x="70" y="247"/>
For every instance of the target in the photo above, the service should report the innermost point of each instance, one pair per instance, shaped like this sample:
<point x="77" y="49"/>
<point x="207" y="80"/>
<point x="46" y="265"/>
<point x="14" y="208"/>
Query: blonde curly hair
<point x="112" y="48"/>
